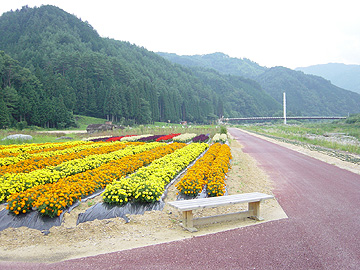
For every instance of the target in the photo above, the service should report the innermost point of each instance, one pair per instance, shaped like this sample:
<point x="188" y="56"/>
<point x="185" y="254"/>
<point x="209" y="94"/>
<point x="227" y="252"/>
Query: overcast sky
<point x="286" y="33"/>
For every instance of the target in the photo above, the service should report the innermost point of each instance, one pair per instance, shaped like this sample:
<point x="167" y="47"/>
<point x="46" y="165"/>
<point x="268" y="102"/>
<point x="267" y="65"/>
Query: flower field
<point x="50" y="177"/>
<point x="50" y="199"/>
<point x="148" y="183"/>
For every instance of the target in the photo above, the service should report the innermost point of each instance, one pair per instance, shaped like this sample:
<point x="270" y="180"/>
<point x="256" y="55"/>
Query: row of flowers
<point x="134" y="138"/>
<point x="148" y="183"/>
<point x="178" y="137"/>
<point x="139" y="138"/>
<point x="37" y="148"/>
<point x="38" y="161"/>
<point x="219" y="169"/>
<point x="219" y="138"/>
<point x="13" y="159"/>
<point x="12" y="183"/>
<point x="51" y="199"/>
<point x="167" y="138"/>
<point x="27" y="152"/>
<point x="193" y="182"/>
<point x="115" y="139"/>
<point x="210" y="171"/>
<point x="201" y="138"/>
<point x="151" y="138"/>
<point x="184" y="138"/>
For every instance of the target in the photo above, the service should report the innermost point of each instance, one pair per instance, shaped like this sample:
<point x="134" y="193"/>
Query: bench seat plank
<point x="187" y="205"/>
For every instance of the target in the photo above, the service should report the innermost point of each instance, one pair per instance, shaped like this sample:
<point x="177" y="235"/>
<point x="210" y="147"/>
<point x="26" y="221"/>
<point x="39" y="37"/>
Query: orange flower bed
<point x="13" y="151"/>
<point x="51" y="199"/>
<point x="210" y="170"/>
<point x="195" y="179"/>
<point x="219" y="168"/>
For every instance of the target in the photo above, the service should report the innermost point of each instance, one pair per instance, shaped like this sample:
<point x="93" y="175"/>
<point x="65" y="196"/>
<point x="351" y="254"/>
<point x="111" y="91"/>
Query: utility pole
<point x="284" y="107"/>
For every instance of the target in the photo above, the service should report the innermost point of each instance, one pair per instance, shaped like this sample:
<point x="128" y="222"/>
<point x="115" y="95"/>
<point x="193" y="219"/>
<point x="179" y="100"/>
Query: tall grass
<point x="300" y="133"/>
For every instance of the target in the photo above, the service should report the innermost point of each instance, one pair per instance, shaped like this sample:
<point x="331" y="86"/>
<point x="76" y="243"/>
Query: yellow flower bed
<point x="5" y="161"/>
<point x="148" y="183"/>
<point x="31" y="148"/>
<point x="14" y="155"/>
<point x="51" y="199"/>
<point x="42" y="160"/>
<point x="12" y="183"/>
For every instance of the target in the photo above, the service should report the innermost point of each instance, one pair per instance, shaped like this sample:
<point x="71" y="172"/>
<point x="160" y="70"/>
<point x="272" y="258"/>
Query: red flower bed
<point x="114" y="139"/>
<point x="167" y="138"/>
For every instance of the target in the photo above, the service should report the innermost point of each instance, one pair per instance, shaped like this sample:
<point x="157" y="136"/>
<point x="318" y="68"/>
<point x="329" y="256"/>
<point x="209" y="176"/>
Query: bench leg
<point x="255" y="207"/>
<point x="188" y="221"/>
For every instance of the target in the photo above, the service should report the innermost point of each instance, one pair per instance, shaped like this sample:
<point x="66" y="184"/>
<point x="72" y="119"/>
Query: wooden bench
<point x="187" y="206"/>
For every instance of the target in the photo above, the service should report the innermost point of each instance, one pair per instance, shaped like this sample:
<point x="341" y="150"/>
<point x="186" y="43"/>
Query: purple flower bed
<point x="150" y="138"/>
<point x="100" y="139"/>
<point x="201" y="138"/>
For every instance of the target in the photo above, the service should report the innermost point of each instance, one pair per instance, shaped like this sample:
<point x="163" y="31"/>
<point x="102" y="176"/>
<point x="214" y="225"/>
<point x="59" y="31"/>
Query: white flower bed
<point x="219" y="138"/>
<point x="184" y="138"/>
<point x="134" y="138"/>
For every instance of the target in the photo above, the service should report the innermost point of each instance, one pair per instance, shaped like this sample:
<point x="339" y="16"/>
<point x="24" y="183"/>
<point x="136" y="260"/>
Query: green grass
<point x="83" y="121"/>
<point x="37" y="137"/>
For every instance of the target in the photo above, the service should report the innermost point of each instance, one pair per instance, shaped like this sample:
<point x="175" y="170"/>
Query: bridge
<point x="283" y="118"/>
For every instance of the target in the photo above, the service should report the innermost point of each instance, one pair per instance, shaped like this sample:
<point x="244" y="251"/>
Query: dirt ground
<point x="103" y="236"/>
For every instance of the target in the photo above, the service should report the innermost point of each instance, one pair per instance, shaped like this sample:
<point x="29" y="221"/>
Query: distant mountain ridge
<point x="306" y="94"/>
<point x="218" y="61"/>
<point x="342" y="75"/>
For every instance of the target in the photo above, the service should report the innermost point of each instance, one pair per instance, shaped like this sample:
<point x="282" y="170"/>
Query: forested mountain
<point x="306" y="94"/>
<point x="72" y="66"/>
<point x="344" y="76"/>
<point x="22" y="97"/>
<point x="218" y="61"/>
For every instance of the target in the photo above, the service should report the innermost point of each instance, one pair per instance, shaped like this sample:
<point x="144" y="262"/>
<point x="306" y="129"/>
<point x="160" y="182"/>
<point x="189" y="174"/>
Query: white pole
<point x="284" y="106"/>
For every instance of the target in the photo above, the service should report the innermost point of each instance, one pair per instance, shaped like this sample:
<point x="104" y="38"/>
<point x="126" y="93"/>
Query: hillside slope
<point x="308" y="94"/>
<point x="108" y="78"/>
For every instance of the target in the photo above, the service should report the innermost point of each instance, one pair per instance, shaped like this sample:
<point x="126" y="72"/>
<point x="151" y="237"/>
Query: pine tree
<point x="4" y="115"/>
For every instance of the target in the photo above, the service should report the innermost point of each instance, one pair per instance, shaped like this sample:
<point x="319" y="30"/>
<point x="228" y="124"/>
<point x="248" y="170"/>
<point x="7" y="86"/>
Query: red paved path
<point x="322" y="231"/>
